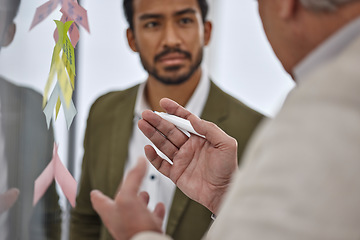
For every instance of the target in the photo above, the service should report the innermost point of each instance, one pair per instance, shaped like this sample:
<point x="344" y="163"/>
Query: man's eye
<point x="186" y="20"/>
<point x="151" y="24"/>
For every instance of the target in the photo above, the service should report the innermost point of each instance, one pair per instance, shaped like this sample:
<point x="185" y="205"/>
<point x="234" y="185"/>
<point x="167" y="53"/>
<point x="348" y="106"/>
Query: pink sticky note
<point x="43" y="182"/>
<point x="76" y="12"/>
<point x="55" y="169"/>
<point x="65" y="180"/>
<point x="73" y="30"/>
<point x="43" y="11"/>
<point x="74" y="34"/>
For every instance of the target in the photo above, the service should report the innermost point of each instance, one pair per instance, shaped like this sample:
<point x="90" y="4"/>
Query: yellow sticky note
<point x="69" y="52"/>
<point x="55" y="57"/>
<point x="68" y="69"/>
<point x="64" y="68"/>
<point x="63" y="28"/>
<point x="58" y="105"/>
<point x="64" y="83"/>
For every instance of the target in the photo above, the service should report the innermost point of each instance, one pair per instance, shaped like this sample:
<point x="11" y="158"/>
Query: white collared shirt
<point x="328" y="50"/>
<point x="3" y="180"/>
<point x="159" y="187"/>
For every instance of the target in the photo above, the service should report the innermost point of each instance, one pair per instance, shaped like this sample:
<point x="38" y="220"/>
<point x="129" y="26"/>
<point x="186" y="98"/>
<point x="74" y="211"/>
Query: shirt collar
<point x="195" y="104"/>
<point x="327" y="50"/>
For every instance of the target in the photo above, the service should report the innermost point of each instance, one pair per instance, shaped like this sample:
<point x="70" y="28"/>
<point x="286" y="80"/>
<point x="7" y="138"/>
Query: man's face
<point x="281" y="25"/>
<point x="169" y="36"/>
<point x="268" y="14"/>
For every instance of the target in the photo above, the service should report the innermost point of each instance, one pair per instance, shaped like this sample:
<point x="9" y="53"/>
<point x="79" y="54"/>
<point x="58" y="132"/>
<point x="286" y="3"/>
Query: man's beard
<point x="173" y="80"/>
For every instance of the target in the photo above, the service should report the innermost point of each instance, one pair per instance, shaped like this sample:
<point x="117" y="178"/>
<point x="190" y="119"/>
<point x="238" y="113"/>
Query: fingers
<point x="100" y="202"/>
<point x="144" y="197"/>
<point x="173" y="135"/>
<point x="210" y="130"/>
<point x="215" y="135"/>
<point x="159" y="211"/>
<point x="159" y="163"/>
<point x="174" y="108"/>
<point x="131" y="183"/>
<point x="8" y="199"/>
<point x="161" y="142"/>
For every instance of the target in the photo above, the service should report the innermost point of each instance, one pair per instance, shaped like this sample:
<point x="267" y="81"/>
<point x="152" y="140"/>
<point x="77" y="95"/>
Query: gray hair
<point x="323" y="5"/>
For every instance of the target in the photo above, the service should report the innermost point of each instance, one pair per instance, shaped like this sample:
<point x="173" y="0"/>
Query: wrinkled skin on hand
<point x="202" y="168"/>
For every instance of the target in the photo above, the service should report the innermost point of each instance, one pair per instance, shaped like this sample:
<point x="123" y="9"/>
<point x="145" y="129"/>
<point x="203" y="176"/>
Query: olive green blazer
<point x="109" y="129"/>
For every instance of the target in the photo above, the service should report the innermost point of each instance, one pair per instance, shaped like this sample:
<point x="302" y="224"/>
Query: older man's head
<point x="296" y="27"/>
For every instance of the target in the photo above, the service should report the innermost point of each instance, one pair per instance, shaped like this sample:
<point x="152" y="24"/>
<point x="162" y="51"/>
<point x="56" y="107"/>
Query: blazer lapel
<point x="215" y="110"/>
<point x="124" y="121"/>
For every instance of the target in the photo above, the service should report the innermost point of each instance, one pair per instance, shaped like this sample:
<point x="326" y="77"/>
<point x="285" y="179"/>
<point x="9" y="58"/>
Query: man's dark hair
<point x="129" y="11"/>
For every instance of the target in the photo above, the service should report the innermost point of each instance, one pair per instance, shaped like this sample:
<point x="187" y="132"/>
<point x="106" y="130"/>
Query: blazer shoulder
<point x="24" y="101"/>
<point x="31" y="95"/>
<point x="13" y="94"/>
<point x="114" y="101"/>
<point x="231" y="107"/>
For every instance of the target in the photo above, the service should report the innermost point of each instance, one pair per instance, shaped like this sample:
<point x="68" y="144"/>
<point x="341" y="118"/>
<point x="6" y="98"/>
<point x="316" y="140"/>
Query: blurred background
<point x="239" y="59"/>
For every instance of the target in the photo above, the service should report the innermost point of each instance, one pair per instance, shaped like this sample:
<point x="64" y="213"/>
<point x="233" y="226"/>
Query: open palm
<point x="202" y="168"/>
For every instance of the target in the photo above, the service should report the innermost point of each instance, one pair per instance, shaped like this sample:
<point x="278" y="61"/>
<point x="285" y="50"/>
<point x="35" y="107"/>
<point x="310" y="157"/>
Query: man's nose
<point x="171" y="36"/>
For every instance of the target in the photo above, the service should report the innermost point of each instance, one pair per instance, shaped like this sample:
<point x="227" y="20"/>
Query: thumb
<point x="210" y="130"/>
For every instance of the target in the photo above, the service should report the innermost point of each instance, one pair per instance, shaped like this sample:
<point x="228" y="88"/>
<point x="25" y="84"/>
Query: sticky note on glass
<point x="69" y="7"/>
<point x="44" y="11"/>
<point x="55" y="170"/>
<point x="64" y="68"/>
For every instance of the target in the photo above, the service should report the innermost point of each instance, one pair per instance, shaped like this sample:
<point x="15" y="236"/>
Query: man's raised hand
<point x="128" y="214"/>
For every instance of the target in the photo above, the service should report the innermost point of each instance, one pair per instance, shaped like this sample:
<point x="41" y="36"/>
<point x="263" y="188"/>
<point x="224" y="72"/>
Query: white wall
<point x="241" y="59"/>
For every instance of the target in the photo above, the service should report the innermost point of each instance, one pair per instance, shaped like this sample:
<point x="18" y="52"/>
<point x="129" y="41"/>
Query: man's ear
<point x="207" y="32"/>
<point x="131" y="39"/>
<point x="8" y="35"/>
<point x="287" y="8"/>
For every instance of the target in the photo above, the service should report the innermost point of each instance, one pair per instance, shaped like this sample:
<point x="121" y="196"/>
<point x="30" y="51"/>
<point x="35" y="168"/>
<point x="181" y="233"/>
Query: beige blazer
<point x="109" y="129"/>
<point x="301" y="177"/>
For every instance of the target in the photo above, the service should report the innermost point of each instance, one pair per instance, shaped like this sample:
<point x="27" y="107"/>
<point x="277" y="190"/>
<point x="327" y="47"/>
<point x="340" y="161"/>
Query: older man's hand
<point x="202" y="168"/>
